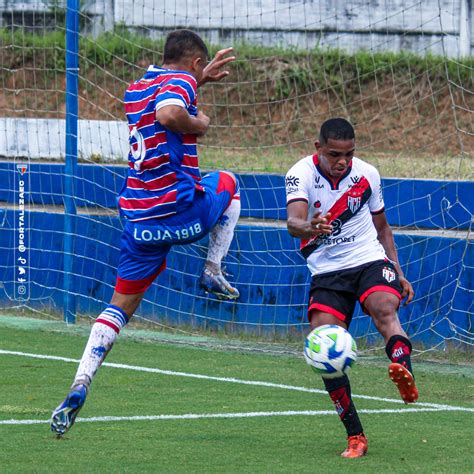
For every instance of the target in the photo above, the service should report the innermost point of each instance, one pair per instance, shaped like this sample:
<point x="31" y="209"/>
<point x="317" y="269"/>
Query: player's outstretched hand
<point x="321" y="224"/>
<point x="407" y="290"/>
<point x="212" y="72"/>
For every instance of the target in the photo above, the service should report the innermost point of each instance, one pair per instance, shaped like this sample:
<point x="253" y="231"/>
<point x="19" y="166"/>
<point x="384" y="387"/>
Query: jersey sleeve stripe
<point x="296" y="200"/>
<point x="171" y="101"/>
<point x="380" y="211"/>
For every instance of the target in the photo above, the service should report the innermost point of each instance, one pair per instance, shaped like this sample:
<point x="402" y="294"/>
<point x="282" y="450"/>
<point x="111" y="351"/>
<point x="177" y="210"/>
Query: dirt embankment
<point x="271" y="102"/>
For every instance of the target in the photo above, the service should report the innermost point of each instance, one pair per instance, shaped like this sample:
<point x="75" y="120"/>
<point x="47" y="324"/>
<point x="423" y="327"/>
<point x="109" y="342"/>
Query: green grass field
<point x="180" y="408"/>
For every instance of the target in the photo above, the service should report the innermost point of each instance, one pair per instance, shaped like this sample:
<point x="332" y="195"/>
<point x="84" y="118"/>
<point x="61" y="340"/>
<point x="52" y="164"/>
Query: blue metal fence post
<point x="72" y="73"/>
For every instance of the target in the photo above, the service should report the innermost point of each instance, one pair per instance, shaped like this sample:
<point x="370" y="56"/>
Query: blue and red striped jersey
<point x="163" y="165"/>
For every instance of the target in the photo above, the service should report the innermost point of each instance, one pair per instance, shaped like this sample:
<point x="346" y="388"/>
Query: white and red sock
<point x="101" y="339"/>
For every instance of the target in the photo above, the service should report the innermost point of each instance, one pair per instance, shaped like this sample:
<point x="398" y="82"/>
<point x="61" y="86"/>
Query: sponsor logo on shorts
<point x="150" y="234"/>
<point x="388" y="274"/>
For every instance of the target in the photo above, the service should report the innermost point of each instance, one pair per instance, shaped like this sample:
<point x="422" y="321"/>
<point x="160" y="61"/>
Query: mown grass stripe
<point x="229" y="379"/>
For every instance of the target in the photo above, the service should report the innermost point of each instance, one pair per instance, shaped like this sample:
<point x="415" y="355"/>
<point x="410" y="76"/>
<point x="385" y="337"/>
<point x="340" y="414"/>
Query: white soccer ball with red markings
<point x="330" y="350"/>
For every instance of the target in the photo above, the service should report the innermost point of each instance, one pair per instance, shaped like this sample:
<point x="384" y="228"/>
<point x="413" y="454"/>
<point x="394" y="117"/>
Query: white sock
<point x="101" y="339"/>
<point x="222" y="234"/>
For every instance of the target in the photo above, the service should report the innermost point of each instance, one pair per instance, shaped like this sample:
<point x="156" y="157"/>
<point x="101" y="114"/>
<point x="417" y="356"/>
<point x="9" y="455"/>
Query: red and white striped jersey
<point x="351" y="200"/>
<point x="163" y="165"/>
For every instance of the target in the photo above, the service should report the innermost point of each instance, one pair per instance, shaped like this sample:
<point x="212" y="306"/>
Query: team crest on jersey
<point x="353" y="203"/>
<point x="388" y="274"/>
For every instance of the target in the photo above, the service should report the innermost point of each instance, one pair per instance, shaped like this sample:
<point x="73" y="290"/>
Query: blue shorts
<point x="145" y="244"/>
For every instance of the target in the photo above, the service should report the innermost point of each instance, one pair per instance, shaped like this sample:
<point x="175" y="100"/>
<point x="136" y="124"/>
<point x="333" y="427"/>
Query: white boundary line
<point x="199" y="416"/>
<point x="430" y="406"/>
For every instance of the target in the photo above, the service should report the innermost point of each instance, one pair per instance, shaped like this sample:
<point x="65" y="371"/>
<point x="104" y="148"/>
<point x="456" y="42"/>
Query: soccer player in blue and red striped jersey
<point x="164" y="200"/>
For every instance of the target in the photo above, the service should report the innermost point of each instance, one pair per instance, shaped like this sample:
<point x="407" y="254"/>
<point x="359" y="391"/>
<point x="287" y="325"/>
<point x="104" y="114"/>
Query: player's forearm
<point x="177" y="119"/>
<point x="300" y="228"/>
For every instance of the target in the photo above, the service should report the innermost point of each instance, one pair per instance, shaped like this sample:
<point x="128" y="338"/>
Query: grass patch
<point x="32" y="387"/>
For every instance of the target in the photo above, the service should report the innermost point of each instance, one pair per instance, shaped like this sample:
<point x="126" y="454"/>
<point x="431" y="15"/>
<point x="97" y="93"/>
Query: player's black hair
<point x="337" y="129"/>
<point x="181" y="44"/>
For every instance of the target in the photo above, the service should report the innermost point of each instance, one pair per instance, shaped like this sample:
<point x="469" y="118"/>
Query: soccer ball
<point x="330" y="351"/>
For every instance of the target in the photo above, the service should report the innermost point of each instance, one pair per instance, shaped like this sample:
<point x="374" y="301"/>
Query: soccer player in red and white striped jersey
<point x="165" y="201"/>
<point x="335" y="206"/>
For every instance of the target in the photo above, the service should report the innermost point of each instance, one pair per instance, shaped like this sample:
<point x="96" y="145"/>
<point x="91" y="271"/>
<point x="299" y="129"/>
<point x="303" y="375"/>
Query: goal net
<point x="401" y="72"/>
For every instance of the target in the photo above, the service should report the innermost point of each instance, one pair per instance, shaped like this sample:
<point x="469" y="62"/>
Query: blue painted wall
<point x="425" y="204"/>
<point x="273" y="282"/>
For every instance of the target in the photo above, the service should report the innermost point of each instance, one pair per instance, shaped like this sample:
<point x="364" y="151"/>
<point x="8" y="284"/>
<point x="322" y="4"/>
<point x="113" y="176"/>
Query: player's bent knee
<point x="381" y="304"/>
<point x="229" y="173"/>
<point x="228" y="182"/>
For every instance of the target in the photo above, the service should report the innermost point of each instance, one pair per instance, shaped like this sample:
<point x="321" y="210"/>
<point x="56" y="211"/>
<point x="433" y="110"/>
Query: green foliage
<point x="121" y="45"/>
<point x="22" y="49"/>
<point x="296" y="70"/>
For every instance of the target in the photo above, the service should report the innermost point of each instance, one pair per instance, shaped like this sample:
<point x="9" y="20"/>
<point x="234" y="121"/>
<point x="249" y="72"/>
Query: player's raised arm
<point x="213" y="71"/>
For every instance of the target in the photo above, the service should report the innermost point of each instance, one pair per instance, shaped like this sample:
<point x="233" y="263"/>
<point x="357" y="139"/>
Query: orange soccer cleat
<point x="405" y="382"/>
<point x="356" y="446"/>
